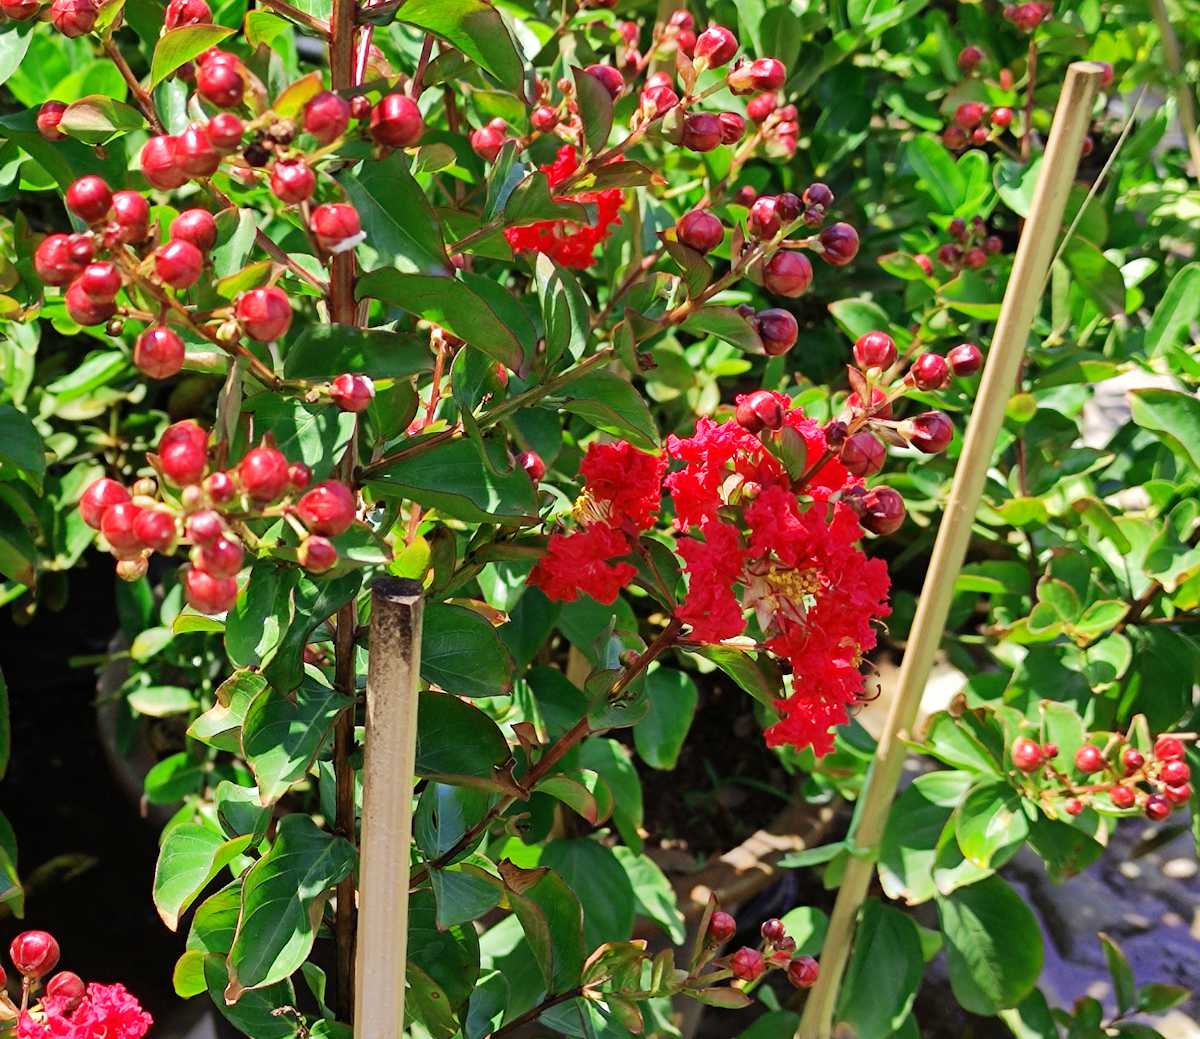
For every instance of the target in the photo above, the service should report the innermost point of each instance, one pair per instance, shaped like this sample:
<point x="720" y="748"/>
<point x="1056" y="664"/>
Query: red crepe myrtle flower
<point x="583" y="562"/>
<point x="568" y="243"/>
<point x="106" y="1012"/>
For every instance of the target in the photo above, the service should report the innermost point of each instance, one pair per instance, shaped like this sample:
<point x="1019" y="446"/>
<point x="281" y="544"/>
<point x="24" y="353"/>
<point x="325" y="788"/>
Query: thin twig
<point x="144" y="100"/>
<point x="418" y="80"/>
<point x="294" y="14"/>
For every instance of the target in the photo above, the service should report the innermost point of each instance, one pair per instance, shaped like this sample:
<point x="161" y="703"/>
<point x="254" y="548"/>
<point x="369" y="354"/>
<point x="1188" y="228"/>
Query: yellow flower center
<point x="587" y="510"/>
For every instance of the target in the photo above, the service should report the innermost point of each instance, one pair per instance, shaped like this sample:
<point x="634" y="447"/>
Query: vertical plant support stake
<point x="1021" y="302"/>
<point x="1184" y="97"/>
<point x="388" y="770"/>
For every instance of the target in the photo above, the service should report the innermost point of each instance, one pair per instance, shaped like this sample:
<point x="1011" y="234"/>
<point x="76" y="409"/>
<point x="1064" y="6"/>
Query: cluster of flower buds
<point x="205" y="507"/>
<point x="1028" y="16"/>
<point x="1115" y="776"/>
<point x="777" y="951"/>
<point x="971" y="247"/>
<point x="975" y="123"/>
<point x="66" y="1006"/>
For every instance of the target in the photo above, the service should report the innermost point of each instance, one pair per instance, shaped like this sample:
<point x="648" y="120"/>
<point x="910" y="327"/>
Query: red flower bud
<point x="746" y="195"/>
<point x="225" y="130"/>
<point x="609" y="78"/>
<point x="758" y="108"/>
<point x="1132" y="759"/>
<point x="98" y="498"/>
<point x="863" y="454"/>
<point x="160" y="162"/>
<point x="74" y="18"/>
<point x="195" y="152"/>
<point x="721" y="927"/>
<point x="263" y="473"/>
<point x="131" y="214"/>
<point x="658" y="100"/>
<point x="220" y="83"/>
<point x="965" y="359"/>
<point x="759" y="410"/>
<point x="700" y="230"/>
<point x="155" y="528"/>
<point x="352" y="392"/>
<point x="84" y="310"/>
<point x="159" y="352"/>
<point x="186" y="12"/>
<point x="1168" y="748"/>
<point x="969" y="58"/>
<point x="532" y="463"/>
<point x="54" y="262"/>
<point x="67" y="989"/>
<point x="701" y="131"/>
<point x="183" y="453"/>
<point x="221" y="557"/>
<point x="763" y="221"/>
<point x="1157" y="808"/>
<point x="293" y="181"/>
<point x="970" y="114"/>
<point x="747" y="964"/>
<point x="328" y="508"/>
<point x="803" y="972"/>
<point x="197" y="227"/>
<point x="220" y="488"/>
<point x="178" y="263"/>
<point x="396" y="121"/>
<point x="264" y="314"/>
<point x="1122" y="797"/>
<point x="1002" y="117"/>
<point x="840" y="244"/>
<point x="326" y="116"/>
<point x="875" y="350"/>
<point x="930" y="432"/>
<point x="1026" y="754"/>
<point x="974" y="258"/>
<point x="1175" y="772"/>
<point x="1178" y="795"/>
<point x="773" y="930"/>
<point x="733" y="127"/>
<point x="788" y="274"/>
<point x="48" y="118"/>
<point x="955" y="138"/>
<point x="317" y="554"/>
<point x="101" y="281"/>
<point x="762" y="74"/>
<point x="544" y="119"/>
<point x="818" y="194"/>
<point x="717" y="44"/>
<point x="34" y="953"/>
<point x="19" y="11"/>
<point x="336" y="227"/>
<point x="883" y="511"/>
<point x="299" y="476"/>
<point x="1089" y="758"/>
<point x="777" y="329"/>
<point x="930" y="372"/>
<point x="204" y="526"/>
<point x="89" y="199"/>
<point x="117" y="526"/>
<point x="487" y="142"/>
<point x="208" y="594"/>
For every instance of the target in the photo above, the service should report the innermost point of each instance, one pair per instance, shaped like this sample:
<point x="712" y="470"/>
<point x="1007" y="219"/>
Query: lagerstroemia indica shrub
<point x="519" y="303"/>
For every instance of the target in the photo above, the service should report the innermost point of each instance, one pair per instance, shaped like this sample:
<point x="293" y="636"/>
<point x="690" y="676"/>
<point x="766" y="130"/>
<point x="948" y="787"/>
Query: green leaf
<point x="178" y="46"/>
<point x="255" y="626"/>
<point x="465" y="891"/>
<point x="457" y="743"/>
<point x="659" y="736"/>
<point x="173" y="779"/>
<point x="595" y="109"/>
<point x="254" y="1013"/>
<point x="18" y="554"/>
<point x="884" y="973"/>
<point x="313" y="434"/>
<point x="281" y="735"/>
<point x="1157" y="997"/>
<point x="581" y="790"/>
<point x="990" y="825"/>
<point x="444" y="813"/>
<point x="446" y="956"/>
<point x="396" y="216"/>
<point x="531" y="201"/>
<point x="565" y="310"/>
<point x="476" y="29"/>
<point x="315" y="601"/>
<point x="910" y="843"/>
<point x="1065" y="849"/>
<point x="450" y="303"/>
<point x="325" y="351"/>
<point x="221" y="725"/>
<point x="971" y="294"/>
<point x="654" y="897"/>
<point x="612" y="761"/>
<point x="1097" y="275"/>
<point x="14" y="43"/>
<point x="239" y="811"/>
<point x="754" y="673"/>
<point x="97" y="119"/>
<point x="994" y="946"/>
<point x="190" y="857"/>
<point x="552" y="919"/>
<point x="456" y="479"/>
<point x="1173" y="416"/>
<point x="1124" y="987"/>
<point x="462" y="653"/>
<point x="282" y="898"/>
<point x="727" y="324"/>
<point x="612" y="405"/>
<point x="806" y="925"/>
<point x="20" y="442"/>
<point x="161" y="701"/>
<point x="1176" y="311"/>
<point x="937" y="172"/>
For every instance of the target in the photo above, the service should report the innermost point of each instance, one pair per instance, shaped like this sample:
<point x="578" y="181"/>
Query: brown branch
<point x="533" y="1013"/>
<point x="418" y="80"/>
<point x="144" y="100"/>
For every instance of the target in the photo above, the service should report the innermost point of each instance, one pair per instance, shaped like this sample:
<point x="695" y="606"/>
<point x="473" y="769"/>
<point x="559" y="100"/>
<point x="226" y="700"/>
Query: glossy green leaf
<point x="221" y="725"/>
<point x="990" y="825"/>
<point x="659" y="736"/>
<point x="21" y="444"/>
<point x="457" y="743"/>
<point x="461" y="652"/>
<point x="595" y="109"/>
<point x="1171" y="415"/>
<point x="476" y="29"/>
<point x="883" y="975"/>
<point x="178" y="46"/>
<point x="612" y="405"/>
<point x="189" y="858"/>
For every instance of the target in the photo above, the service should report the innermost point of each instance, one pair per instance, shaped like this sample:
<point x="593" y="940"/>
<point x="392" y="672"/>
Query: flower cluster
<point x="68" y="1008"/>
<point x="777" y="951"/>
<point x="568" y="243"/>
<point x="1116" y="776"/>
<point x="208" y="507"/>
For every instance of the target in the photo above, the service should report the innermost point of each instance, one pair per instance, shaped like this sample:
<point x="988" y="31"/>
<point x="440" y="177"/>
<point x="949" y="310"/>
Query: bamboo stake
<point x="388" y="768"/>
<point x="1183" y="92"/>
<point x="1022" y="300"/>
